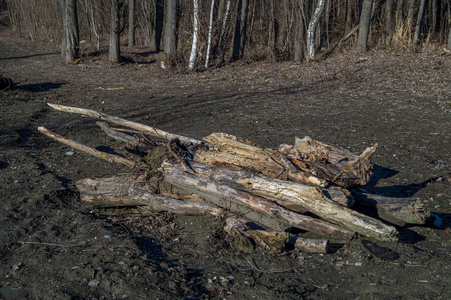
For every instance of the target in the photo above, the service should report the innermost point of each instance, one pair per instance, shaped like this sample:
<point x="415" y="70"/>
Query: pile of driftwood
<point x="260" y="192"/>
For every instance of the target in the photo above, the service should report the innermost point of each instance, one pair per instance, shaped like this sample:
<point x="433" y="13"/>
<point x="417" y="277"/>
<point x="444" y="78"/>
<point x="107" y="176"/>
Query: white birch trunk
<point x="210" y="27"/>
<point x="312" y="28"/>
<point x="192" y="57"/>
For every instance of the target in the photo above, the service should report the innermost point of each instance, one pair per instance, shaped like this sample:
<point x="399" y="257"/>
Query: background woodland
<point x="203" y="34"/>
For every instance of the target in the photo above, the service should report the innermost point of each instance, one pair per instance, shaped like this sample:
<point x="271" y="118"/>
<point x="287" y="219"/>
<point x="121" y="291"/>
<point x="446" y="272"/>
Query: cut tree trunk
<point x="405" y="210"/>
<point x="337" y="165"/>
<point x="312" y="198"/>
<point x="220" y="194"/>
<point x="238" y="153"/>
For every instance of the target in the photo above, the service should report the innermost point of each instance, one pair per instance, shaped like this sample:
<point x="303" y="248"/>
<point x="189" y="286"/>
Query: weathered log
<point x="250" y="238"/>
<point x="119" y="136"/>
<point x="106" y="192"/>
<point x="405" y="210"/>
<point x="159" y="202"/>
<point x="337" y="165"/>
<point x="119" y="192"/>
<point x="141" y="127"/>
<point x="238" y="153"/>
<point x="335" y="193"/>
<point x="297" y="174"/>
<point x="223" y="195"/>
<point x="312" y="198"/>
<point x="233" y="151"/>
<point x="106" y="156"/>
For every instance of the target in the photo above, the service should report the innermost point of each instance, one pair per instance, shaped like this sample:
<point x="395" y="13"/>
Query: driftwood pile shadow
<point x="269" y="198"/>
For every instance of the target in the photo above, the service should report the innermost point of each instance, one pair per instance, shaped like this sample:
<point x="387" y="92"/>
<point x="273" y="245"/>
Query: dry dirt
<point x="52" y="246"/>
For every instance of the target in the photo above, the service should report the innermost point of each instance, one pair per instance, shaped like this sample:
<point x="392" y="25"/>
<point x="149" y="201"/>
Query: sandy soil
<point x="52" y="246"/>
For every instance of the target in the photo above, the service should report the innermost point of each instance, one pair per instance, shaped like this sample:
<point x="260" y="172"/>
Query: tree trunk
<point x="131" y="23"/>
<point x="115" y="48"/>
<point x="312" y="28"/>
<point x="300" y="32"/>
<point x="282" y="25"/>
<point x="159" y="16"/>
<point x="210" y="29"/>
<point x="364" y="27"/>
<point x="312" y="198"/>
<point x="218" y="193"/>
<point x="70" y="46"/>
<point x="218" y="45"/>
<point x="416" y="36"/>
<point x="449" y="40"/>
<point x="389" y="19"/>
<point x="170" y="24"/>
<point x="240" y="30"/>
<point x="193" y="55"/>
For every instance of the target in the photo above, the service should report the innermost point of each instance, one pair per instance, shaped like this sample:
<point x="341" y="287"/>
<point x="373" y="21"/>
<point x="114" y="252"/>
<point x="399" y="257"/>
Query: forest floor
<point x="53" y="246"/>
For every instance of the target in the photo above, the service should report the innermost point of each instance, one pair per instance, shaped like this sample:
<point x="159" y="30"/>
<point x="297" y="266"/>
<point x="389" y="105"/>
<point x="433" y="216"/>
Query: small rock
<point x="94" y="283"/>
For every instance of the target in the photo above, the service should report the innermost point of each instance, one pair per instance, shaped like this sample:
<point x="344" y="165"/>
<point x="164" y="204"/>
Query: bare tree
<point x="170" y="39"/>
<point x="70" y="45"/>
<point x="449" y="40"/>
<point x="193" y="55"/>
<point x="131" y="23"/>
<point x="300" y="32"/>
<point x="240" y="30"/>
<point x="364" y="27"/>
<point x="115" y="49"/>
<point x="210" y="28"/>
<point x="312" y="28"/>
<point x="417" y="34"/>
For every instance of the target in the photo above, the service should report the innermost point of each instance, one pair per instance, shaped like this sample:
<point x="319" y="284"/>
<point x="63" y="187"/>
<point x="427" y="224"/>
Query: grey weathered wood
<point x="220" y="194"/>
<point x="312" y="198"/>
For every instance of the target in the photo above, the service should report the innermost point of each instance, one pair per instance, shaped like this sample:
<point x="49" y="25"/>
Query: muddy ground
<point x="52" y="246"/>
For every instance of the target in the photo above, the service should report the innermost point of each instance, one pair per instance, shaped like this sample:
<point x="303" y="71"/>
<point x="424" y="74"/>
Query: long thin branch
<point x="141" y="127"/>
<point x="89" y="150"/>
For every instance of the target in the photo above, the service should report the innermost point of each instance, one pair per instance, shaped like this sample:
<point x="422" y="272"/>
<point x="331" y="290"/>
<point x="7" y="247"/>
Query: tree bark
<point x="405" y="210"/>
<point x="70" y="46"/>
<point x="131" y="23"/>
<point x="417" y="34"/>
<point x="210" y="30"/>
<point x="218" y="193"/>
<point x="312" y="198"/>
<point x="300" y="32"/>
<point x="170" y="24"/>
<point x="193" y="55"/>
<point x="449" y="39"/>
<point x="240" y="30"/>
<point x="389" y="19"/>
<point x="114" y="56"/>
<point x="364" y="26"/>
<point x="312" y="28"/>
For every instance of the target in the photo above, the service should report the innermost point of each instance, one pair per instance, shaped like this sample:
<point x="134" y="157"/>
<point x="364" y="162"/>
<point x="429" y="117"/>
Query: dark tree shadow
<point x="396" y="191"/>
<point x="28" y="56"/>
<point x="39" y="87"/>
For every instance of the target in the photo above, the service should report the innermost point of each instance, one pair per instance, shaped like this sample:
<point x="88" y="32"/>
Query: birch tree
<point x="223" y="27"/>
<point x="312" y="28"/>
<point x="210" y="29"/>
<point x="193" y="55"/>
